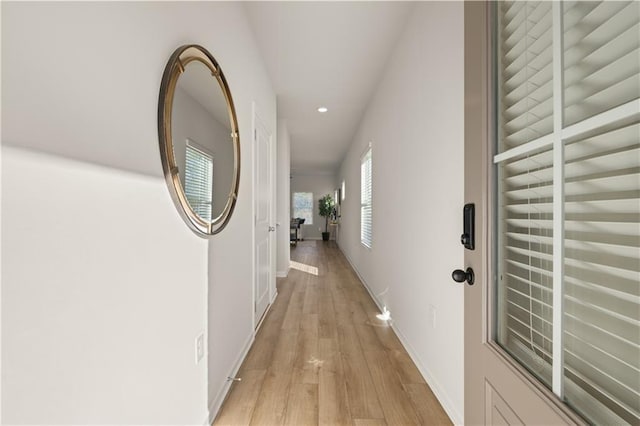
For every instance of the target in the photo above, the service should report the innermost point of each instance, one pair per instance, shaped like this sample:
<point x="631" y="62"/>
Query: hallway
<point x="322" y="356"/>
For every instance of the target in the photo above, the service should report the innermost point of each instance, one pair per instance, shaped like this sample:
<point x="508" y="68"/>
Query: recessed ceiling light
<point x="322" y="109"/>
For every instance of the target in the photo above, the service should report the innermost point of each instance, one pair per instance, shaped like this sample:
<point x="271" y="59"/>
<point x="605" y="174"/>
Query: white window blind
<point x="366" y="234"/>
<point x="568" y="226"/>
<point x="198" y="181"/>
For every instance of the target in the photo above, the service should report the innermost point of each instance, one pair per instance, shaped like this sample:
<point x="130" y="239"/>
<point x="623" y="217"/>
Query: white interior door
<point x="263" y="221"/>
<point x="497" y="390"/>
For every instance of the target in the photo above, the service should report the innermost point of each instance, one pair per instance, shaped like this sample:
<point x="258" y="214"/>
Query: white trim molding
<point x="456" y="417"/>
<point x="216" y="403"/>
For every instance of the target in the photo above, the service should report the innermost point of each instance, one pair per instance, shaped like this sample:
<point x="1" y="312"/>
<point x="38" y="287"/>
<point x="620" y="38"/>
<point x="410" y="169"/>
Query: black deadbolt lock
<point x="468" y="238"/>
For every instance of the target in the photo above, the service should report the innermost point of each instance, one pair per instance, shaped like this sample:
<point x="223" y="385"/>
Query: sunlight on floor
<point x="304" y="268"/>
<point x="315" y="362"/>
<point x="385" y="315"/>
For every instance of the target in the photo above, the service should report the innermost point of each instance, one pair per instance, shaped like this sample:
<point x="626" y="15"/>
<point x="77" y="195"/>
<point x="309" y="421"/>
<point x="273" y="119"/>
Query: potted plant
<point x="325" y="207"/>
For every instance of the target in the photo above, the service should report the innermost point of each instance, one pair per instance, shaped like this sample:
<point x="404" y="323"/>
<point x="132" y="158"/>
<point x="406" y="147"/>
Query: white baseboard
<point x="364" y="283"/>
<point x="264" y="315"/>
<point x="216" y="403"/>
<point x="456" y="417"/>
<point x="282" y="274"/>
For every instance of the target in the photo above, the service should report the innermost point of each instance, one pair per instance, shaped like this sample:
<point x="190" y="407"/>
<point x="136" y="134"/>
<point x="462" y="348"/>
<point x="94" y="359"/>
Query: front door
<point x="263" y="226"/>
<point x="552" y="164"/>
<point x="497" y="390"/>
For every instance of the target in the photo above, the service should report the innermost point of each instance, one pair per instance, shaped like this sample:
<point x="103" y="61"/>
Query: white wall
<point x="319" y="185"/>
<point x="283" y="203"/>
<point x="99" y="309"/>
<point x="104" y="288"/>
<point x="415" y="124"/>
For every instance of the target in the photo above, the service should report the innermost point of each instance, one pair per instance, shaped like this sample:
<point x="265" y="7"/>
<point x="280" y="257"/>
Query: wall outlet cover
<point x="199" y="348"/>
<point x="432" y="315"/>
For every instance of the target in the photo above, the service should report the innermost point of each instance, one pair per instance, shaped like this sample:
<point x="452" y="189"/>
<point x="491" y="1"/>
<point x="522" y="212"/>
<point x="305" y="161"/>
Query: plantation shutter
<point x="602" y="270"/>
<point x="602" y="211"/>
<point x="526" y="183"/>
<point x="366" y="235"/>
<point x="568" y="226"/>
<point x="199" y="181"/>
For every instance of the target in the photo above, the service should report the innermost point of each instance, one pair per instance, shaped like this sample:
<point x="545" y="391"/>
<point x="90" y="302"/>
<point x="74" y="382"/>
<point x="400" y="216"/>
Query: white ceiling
<point x="325" y="54"/>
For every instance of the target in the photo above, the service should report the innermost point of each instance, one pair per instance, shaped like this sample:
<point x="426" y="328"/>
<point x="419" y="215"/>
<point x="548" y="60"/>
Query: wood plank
<point x="238" y="408"/>
<point x="363" y="400"/>
<point x="427" y="406"/>
<point x="272" y="401"/>
<point x="368" y="337"/>
<point x="307" y="361"/>
<point x="407" y="370"/>
<point x="332" y="400"/>
<point x="327" y="327"/>
<point x="388" y="338"/>
<point x="284" y="352"/>
<point x="293" y="315"/>
<point x="302" y="407"/>
<point x="397" y="408"/>
<point x="330" y="360"/>
<point x="369" y="422"/>
<point x="332" y="393"/>
<point x="310" y="304"/>
<point x="359" y="314"/>
<point x="341" y="304"/>
<point x="261" y="352"/>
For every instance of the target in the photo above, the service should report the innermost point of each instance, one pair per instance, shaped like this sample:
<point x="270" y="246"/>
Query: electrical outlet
<point x="199" y="348"/>
<point x="432" y="315"/>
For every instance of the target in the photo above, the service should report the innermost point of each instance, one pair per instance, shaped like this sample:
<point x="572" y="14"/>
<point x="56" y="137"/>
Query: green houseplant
<point x="325" y="207"/>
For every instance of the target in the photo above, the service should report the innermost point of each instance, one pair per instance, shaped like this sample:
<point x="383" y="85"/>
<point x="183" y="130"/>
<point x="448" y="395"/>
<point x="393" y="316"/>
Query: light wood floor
<point x="322" y="357"/>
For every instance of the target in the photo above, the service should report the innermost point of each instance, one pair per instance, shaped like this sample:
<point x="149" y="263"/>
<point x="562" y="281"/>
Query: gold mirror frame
<point x="175" y="68"/>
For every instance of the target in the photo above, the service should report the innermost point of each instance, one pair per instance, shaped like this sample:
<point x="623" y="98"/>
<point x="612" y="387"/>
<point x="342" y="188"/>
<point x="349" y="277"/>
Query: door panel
<point x="497" y="391"/>
<point x="497" y="411"/>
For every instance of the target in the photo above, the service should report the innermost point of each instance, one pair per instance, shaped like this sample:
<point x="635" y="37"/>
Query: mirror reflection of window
<point x="200" y="114"/>
<point x="366" y="208"/>
<point x="198" y="180"/>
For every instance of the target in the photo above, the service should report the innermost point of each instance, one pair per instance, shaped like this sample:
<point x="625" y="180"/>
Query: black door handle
<point x="460" y="276"/>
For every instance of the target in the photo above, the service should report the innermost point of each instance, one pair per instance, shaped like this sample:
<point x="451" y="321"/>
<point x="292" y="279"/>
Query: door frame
<point x="256" y="117"/>
<point x="481" y="351"/>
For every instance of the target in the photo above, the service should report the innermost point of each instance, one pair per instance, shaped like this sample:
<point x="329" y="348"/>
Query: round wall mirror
<point x="199" y="141"/>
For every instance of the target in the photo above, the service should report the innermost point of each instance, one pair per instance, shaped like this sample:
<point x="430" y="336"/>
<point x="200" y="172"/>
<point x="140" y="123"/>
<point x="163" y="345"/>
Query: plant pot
<point x="325" y="236"/>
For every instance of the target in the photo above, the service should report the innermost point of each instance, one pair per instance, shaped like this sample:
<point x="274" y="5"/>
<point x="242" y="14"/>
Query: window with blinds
<point x="365" y="200"/>
<point x="198" y="180"/>
<point x="568" y="200"/>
